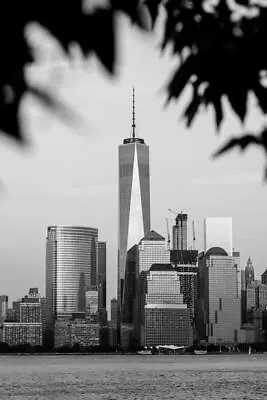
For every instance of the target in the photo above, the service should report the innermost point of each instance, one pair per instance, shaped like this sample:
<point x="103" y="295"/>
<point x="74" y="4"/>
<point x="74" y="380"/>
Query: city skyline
<point x="67" y="178"/>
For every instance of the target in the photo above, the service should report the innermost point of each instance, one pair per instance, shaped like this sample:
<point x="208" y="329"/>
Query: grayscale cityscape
<point x="172" y="297"/>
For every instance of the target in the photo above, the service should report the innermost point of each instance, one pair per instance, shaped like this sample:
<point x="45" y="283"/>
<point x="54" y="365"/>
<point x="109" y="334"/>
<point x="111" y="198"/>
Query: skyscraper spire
<point x="133" y="123"/>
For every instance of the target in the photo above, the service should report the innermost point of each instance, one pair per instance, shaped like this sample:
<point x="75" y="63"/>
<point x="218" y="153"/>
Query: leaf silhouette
<point x="240" y="142"/>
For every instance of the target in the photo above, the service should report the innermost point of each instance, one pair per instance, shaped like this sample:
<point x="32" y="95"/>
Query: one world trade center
<point x="134" y="199"/>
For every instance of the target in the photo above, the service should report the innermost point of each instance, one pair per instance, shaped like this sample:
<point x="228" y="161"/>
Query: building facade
<point x="219" y="298"/>
<point x="102" y="274"/>
<point x="134" y="200"/>
<point x="3" y="308"/>
<point x="249" y="273"/>
<point x="264" y="277"/>
<point x="165" y="319"/>
<point x="71" y="269"/>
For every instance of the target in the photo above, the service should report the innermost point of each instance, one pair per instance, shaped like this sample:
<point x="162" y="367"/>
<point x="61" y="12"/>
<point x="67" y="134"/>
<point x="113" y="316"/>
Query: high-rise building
<point x="219" y="297"/>
<point x="218" y="233"/>
<point x="165" y="319"/>
<point x="185" y="262"/>
<point x="71" y="264"/>
<point x="179" y="232"/>
<point x="134" y="199"/>
<point x="3" y="308"/>
<point x="249" y="273"/>
<point x="102" y="273"/>
<point x="264" y="277"/>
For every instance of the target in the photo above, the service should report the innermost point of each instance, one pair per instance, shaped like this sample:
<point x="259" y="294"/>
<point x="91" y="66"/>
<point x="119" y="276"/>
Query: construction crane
<point x="168" y="231"/>
<point x="175" y="212"/>
<point x="194" y="236"/>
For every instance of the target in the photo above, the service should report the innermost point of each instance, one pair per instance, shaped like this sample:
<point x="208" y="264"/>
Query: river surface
<point x="109" y="377"/>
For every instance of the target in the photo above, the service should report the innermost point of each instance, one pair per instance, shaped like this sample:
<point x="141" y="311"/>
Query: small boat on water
<point x="146" y="352"/>
<point x="200" y="352"/>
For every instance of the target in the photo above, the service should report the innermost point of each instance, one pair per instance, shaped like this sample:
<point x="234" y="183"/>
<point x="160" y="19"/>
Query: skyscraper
<point x="218" y="233"/>
<point x="101" y="274"/>
<point x="71" y="260"/>
<point x="165" y="318"/>
<point x="219" y="301"/>
<point x="249" y="272"/>
<point x="134" y="199"/>
<point x="179" y="232"/>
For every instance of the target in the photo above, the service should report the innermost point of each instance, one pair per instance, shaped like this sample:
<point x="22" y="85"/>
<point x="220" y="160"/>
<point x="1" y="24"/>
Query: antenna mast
<point x="133" y="123"/>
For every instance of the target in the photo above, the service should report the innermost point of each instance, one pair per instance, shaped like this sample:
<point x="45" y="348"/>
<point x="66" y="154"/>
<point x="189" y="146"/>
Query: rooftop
<point x="153" y="236"/>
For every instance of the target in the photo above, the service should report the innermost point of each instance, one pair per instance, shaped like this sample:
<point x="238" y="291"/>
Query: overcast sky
<point x="70" y="175"/>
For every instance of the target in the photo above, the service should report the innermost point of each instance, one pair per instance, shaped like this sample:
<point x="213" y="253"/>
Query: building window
<point x="216" y="317"/>
<point x="220" y="304"/>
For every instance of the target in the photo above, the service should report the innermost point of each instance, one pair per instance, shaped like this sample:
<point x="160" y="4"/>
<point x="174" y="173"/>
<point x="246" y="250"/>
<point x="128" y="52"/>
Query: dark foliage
<point x="221" y="51"/>
<point x="69" y="23"/>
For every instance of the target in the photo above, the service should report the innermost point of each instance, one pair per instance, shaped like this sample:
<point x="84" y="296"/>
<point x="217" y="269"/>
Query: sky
<point x="69" y="173"/>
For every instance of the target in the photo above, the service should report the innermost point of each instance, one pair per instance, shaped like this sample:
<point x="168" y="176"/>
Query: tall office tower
<point x="165" y="319"/>
<point x="185" y="262"/>
<point x="264" y="277"/>
<point x="218" y="233"/>
<point x="71" y="261"/>
<point x="179" y="232"/>
<point x="219" y="312"/>
<point x="3" y="308"/>
<point x="249" y="272"/>
<point x="102" y="273"/>
<point x="134" y="199"/>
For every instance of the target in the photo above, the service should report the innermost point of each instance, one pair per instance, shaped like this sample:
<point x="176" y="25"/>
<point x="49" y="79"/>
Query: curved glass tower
<point x="134" y="200"/>
<point x="71" y="262"/>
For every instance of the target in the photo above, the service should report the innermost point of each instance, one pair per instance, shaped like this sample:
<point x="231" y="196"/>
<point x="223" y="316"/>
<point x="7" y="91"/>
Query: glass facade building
<point x="219" y="301"/>
<point x="134" y="202"/>
<point x="71" y="269"/>
<point x="218" y="233"/>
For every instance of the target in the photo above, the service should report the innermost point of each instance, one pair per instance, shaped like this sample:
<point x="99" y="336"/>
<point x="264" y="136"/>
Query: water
<point x="97" y="377"/>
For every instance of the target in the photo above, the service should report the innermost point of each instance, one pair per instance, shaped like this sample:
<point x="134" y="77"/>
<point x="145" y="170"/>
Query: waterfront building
<point x="20" y="333"/>
<point x="134" y="201"/>
<point x="218" y="233"/>
<point x="165" y="319"/>
<point x="3" y="308"/>
<point x="23" y="324"/>
<point x="78" y="331"/>
<point x="71" y="269"/>
<point x="249" y="273"/>
<point x="179" y="232"/>
<point x="219" y="298"/>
